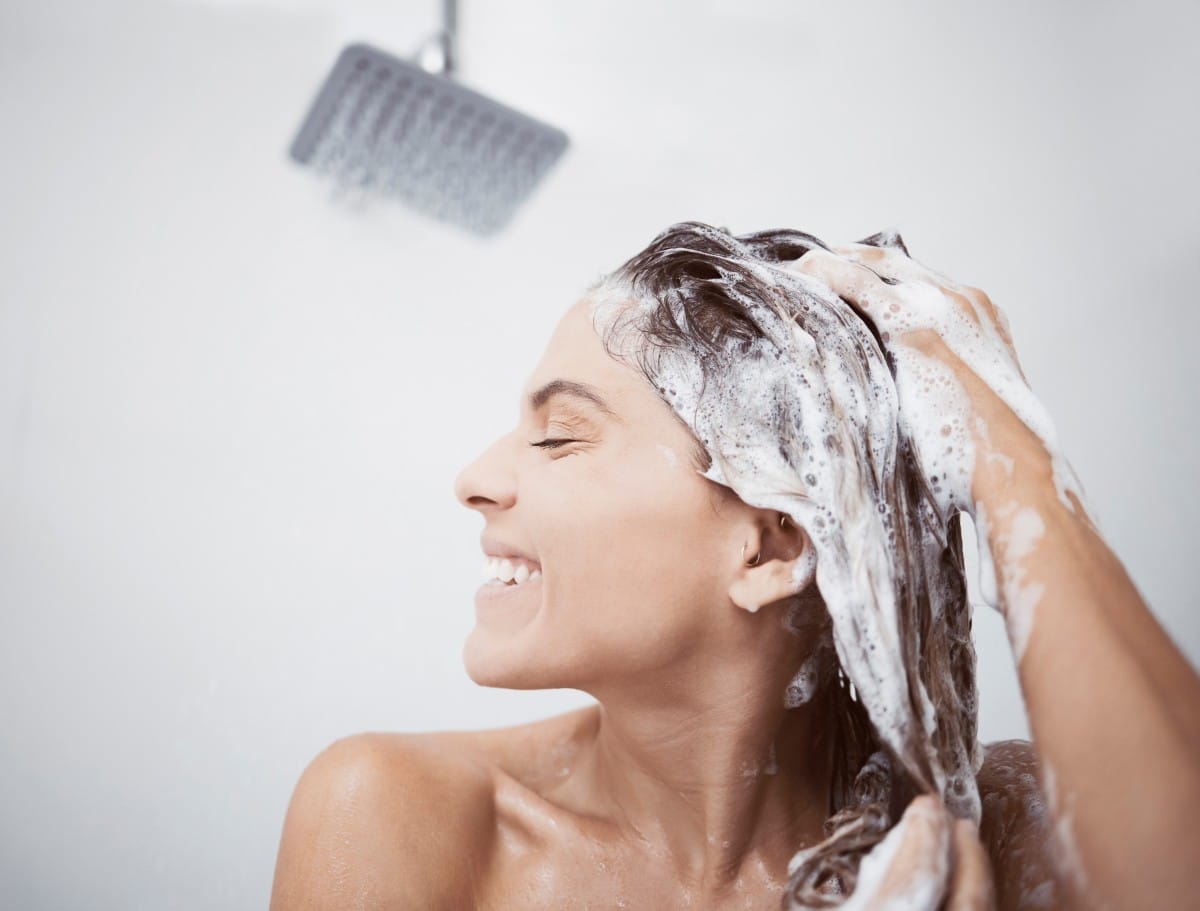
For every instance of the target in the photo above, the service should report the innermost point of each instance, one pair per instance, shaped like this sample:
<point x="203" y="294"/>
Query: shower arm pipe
<point x="450" y="35"/>
<point x="446" y="41"/>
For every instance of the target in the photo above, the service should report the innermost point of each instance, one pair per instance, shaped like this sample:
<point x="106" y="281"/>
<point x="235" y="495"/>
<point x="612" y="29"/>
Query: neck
<point x="711" y="779"/>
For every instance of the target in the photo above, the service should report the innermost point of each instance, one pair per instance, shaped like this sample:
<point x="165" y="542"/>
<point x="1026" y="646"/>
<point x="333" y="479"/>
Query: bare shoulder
<point x="1016" y="827"/>
<point x="529" y="753"/>
<point x="385" y="820"/>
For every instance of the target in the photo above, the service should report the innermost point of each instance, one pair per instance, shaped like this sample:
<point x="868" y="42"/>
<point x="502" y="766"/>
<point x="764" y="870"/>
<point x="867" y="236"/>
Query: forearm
<point x="1112" y="703"/>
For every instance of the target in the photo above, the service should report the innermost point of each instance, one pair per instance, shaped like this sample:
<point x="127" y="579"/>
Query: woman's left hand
<point x="937" y="862"/>
<point x="920" y="312"/>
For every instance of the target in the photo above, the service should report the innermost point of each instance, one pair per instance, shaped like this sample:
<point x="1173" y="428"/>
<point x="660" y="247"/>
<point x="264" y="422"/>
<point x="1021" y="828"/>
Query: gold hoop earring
<point x="754" y="562"/>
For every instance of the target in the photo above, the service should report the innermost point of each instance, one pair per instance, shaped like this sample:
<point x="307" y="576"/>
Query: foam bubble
<point x="808" y="420"/>
<point x="1063" y="838"/>
<point x="923" y="888"/>
<point x="803" y="686"/>
<point x="807" y="382"/>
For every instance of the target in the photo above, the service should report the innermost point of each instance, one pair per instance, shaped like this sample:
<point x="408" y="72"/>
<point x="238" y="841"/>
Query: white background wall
<point x="232" y="411"/>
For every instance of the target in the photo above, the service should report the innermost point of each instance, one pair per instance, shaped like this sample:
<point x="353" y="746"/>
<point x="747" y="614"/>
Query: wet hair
<point x="701" y="293"/>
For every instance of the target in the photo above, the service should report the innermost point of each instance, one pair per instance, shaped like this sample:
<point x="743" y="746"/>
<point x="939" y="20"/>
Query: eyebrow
<point x="583" y="391"/>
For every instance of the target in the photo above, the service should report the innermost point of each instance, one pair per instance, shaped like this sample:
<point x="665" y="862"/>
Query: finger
<point x="852" y="281"/>
<point x="972" y="302"/>
<point x="919" y="866"/>
<point x="866" y="285"/>
<point x="999" y="320"/>
<point x="890" y="259"/>
<point x="886" y="238"/>
<point x="971" y="886"/>
<point x="978" y="310"/>
<point x="891" y="249"/>
<point x="977" y="307"/>
<point x="1005" y="329"/>
<point x="898" y="265"/>
<point x="890" y="264"/>
<point x="871" y="296"/>
<point x="901" y="266"/>
<point x="983" y="307"/>
<point x="868" y="253"/>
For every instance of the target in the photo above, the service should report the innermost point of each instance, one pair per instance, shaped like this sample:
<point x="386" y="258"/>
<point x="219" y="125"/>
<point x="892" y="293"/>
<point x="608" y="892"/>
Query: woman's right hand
<point x="966" y="430"/>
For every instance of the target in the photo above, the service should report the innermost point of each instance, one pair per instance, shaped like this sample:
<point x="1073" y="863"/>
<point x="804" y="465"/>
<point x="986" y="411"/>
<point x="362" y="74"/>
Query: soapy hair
<point x="700" y="297"/>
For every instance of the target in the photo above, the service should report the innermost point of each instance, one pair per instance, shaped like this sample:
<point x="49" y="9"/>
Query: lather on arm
<point x="1114" y="707"/>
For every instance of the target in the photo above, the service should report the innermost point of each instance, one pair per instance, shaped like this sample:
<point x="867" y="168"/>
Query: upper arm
<point x="376" y="821"/>
<point x="1016" y="828"/>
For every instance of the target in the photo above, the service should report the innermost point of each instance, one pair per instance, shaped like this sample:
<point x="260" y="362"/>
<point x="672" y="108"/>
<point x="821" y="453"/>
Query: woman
<point x="740" y="464"/>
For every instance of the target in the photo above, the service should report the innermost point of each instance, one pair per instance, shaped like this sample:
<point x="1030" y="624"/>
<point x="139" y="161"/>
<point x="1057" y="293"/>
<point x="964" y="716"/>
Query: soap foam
<point x="1023" y="529"/>
<point x="934" y="410"/>
<point x="808" y="383"/>
<point x="925" y="886"/>
<point x="808" y="420"/>
<point x="803" y="686"/>
<point x="1062" y="838"/>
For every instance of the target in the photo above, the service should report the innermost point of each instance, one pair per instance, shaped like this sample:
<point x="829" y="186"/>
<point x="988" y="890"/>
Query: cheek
<point x="633" y="553"/>
<point x="670" y="456"/>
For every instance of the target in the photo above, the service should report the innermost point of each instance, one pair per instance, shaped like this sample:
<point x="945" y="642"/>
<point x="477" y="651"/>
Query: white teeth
<point x="508" y="572"/>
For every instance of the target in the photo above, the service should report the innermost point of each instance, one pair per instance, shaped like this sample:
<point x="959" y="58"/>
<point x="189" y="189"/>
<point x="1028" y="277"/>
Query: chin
<point x="501" y="661"/>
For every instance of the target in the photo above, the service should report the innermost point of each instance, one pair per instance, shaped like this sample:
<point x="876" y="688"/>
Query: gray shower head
<point x="384" y="125"/>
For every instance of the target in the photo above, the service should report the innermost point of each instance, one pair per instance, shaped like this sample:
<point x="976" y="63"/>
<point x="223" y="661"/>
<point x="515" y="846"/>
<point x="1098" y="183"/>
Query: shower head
<point x="386" y="125"/>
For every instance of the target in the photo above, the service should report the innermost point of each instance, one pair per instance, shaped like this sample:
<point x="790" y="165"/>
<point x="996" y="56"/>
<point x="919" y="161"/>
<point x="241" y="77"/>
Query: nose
<point x="489" y="480"/>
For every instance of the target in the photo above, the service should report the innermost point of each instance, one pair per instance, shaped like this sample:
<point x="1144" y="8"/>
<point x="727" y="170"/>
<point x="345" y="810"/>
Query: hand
<point x="930" y="861"/>
<point x="960" y="383"/>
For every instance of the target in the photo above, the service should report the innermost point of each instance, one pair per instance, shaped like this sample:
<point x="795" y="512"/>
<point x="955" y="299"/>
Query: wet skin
<point x="485" y="820"/>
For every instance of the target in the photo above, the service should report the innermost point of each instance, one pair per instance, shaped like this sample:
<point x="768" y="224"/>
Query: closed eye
<point x="552" y="443"/>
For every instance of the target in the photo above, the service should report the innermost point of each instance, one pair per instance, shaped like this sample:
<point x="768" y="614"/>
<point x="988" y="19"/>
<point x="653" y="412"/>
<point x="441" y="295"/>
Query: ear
<point x="787" y="567"/>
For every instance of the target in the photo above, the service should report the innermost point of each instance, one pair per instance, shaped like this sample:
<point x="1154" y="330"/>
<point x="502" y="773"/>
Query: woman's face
<point x="637" y="550"/>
